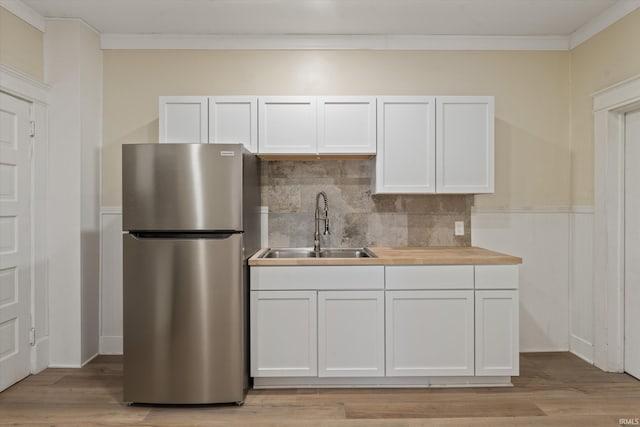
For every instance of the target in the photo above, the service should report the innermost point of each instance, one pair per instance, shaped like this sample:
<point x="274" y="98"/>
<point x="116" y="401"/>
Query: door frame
<point x="609" y="107"/>
<point x="25" y="87"/>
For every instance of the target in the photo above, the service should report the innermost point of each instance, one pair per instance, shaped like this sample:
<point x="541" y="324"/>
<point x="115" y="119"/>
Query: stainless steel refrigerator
<point x="190" y="216"/>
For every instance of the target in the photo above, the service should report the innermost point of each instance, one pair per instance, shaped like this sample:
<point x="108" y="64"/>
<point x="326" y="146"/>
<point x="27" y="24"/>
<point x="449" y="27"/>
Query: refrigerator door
<point x="184" y="320"/>
<point x="168" y="187"/>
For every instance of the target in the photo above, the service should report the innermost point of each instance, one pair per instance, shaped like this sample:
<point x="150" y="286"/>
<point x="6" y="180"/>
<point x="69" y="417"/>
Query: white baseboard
<point x="65" y="365"/>
<point x="110" y="345"/>
<point x="582" y="348"/>
<point x="380" y="382"/>
<point x="544" y="350"/>
<point x="40" y="355"/>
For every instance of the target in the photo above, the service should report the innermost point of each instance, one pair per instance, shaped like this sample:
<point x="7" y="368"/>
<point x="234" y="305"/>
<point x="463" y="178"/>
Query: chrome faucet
<point x="325" y="218"/>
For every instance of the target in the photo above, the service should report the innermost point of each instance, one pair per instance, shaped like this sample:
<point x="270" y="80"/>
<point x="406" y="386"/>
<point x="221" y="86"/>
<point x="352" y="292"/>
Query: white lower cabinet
<point x="384" y="326"/>
<point x="283" y="334"/>
<point x="497" y="333"/>
<point x="430" y="333"/>
<point x="351" y="333"/>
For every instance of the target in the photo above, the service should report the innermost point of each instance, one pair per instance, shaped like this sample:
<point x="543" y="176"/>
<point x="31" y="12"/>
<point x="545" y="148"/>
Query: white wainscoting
<point x="556" y="299"/>
<point x="541" y="238"/>
<point x="111" y="281"/>
<point x="581" y="285"/>
<point x="556" y="278"/>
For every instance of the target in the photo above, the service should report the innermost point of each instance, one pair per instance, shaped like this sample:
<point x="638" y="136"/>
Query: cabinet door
<point x="351" y="333"/>
<point x="429" y="333"/>
<point x="287" y="125"/>
<point x="234" y="119"/>
<point x="497" y="350"/>
<point x="183" y="119"/>
<point x="405" y="162"/>
<point x="465" y="144"/>
<point x="283" y="334"/>
<point x="347" y="124"/>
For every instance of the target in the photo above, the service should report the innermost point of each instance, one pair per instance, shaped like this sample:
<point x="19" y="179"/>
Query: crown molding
<point x="610" y="16"/>
<point x="25" y="13"/>
<point x="343" y="42"/>
<point x="80" y="20"/>
<point x="333" y="42"/>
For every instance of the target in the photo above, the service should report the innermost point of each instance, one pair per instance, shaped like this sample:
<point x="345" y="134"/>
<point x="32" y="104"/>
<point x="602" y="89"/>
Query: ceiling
<point x="331" y="17"/>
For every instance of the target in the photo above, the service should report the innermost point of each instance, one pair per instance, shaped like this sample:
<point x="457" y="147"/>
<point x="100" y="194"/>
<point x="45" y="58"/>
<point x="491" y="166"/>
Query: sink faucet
<point x="325" y="218"/>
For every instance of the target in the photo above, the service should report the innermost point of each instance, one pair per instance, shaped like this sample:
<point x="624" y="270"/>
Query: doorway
<point x="15" y="239"/>
<point x="632" y="243"/>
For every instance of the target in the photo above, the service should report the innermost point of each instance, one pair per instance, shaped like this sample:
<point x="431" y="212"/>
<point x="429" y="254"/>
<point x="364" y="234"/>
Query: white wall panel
<point x="73" y="62"/>
<point x="541" y="238"/>
<point x="581" y="286"/>
<point x="111" y="282"/>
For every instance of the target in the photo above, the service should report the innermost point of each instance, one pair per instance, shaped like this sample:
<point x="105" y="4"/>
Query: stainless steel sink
<point x="324" y="253"/>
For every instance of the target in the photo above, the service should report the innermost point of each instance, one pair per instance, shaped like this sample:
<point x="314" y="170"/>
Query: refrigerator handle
<point x="219" y="235"/>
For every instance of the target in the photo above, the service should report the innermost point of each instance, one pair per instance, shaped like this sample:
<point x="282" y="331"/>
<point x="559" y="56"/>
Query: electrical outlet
<point x="459" y="228"/>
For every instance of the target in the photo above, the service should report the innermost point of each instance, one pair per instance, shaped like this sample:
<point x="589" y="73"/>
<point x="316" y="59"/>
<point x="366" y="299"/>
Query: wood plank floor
<point x="555" y="389"/>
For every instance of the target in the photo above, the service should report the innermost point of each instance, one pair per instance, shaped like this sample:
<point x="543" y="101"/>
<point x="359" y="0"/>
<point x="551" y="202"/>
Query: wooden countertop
<point x="402" y="256"/>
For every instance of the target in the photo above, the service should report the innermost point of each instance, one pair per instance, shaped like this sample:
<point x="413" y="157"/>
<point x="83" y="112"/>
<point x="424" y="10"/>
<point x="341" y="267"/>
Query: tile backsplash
<point x="357" y="218"/>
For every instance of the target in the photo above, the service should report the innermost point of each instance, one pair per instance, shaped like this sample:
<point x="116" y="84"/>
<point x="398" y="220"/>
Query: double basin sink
<point x="323" y="253"/>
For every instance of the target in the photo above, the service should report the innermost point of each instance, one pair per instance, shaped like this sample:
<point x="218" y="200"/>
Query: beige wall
<point x="606" y="59"/>
<point x="20" y="45"/>
<point x="532" y="91"/>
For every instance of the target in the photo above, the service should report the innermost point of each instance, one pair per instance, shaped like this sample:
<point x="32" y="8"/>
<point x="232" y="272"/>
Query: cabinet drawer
<point x="497" y="276"/>
<point x="429" y="277"/>
<point x="317" y="277"/>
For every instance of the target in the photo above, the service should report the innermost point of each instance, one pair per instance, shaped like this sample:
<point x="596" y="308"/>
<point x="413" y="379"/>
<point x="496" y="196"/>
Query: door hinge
<point x="32" y="336"/>
<point x="32" y="128"/>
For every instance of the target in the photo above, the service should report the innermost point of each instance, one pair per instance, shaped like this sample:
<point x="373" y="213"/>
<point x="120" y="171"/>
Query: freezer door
<point x="184" y="320"/>
<point x="182" y="187"/>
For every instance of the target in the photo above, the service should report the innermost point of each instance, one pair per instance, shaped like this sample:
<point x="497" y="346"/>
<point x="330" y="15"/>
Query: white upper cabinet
<point x="213" y="119"/>
<point x="406" y="161"/>
<point x="234" y="119"/>
<point x="183" y="119"/>
<point x="465" y="144"/>
<point x="287" y="125"/>
<point x="442" y="144"/>
<point x="424" y="144"/>
<point x="347" y="124"/>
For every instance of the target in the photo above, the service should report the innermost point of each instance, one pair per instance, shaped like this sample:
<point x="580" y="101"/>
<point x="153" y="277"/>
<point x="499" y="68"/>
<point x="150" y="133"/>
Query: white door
<point x="405" y="160"/>
<point x="183" y="119"/>
<point x="15" y="231"/>
<point x="347" y="124"/>
<point x="351" y="333"/>
<point x="284" y="334"/>
<point x="465" y="144"/>
<point x="632" y="245"/>
<point x="234" y="119"/>
<point x="429" y="333"/>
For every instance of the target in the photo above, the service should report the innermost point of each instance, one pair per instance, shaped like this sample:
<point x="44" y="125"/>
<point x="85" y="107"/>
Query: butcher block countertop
<point x="402" y="256"/>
